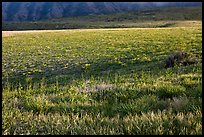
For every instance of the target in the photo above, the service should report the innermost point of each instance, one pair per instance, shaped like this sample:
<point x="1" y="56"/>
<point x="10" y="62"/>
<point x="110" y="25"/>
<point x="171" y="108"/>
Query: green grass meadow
<point x="102" y="82"/>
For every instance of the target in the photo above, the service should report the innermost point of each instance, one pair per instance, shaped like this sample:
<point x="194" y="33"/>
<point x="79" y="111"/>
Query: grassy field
<point x="102" y="81"/>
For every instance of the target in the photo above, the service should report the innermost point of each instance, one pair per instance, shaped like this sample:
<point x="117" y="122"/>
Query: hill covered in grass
<point x="165" y="17"/>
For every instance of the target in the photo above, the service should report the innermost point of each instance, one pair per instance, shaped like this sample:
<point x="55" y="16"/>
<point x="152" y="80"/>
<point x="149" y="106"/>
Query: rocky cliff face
<point x="28" y="11"/>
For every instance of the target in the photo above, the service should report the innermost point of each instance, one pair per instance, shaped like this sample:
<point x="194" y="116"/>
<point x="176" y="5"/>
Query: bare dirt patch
<point x="11" y="33"/>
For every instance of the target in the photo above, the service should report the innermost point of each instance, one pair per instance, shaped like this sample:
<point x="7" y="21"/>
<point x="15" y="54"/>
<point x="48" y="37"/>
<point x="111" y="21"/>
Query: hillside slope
<point x="30" y="11"/>
<point x="165" y="17"/>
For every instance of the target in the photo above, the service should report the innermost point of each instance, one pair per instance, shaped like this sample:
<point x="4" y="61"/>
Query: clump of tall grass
<point x="151" y="123"/>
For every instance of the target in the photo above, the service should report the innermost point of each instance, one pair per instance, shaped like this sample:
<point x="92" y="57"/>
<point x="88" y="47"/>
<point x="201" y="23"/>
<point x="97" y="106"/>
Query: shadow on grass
<point x="101" y="68"/>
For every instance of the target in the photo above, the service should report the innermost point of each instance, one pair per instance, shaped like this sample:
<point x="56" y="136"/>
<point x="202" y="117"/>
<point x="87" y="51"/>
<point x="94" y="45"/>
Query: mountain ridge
<point x="32" y="11"/>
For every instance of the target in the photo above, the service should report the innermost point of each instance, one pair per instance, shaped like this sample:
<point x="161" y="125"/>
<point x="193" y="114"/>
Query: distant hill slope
<point x="162" y="17"/>
<point x="31" y="11"/>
